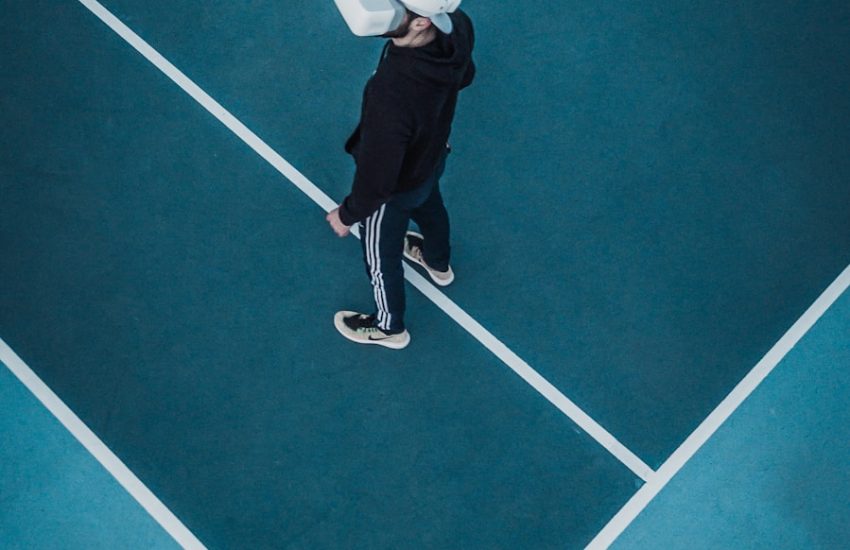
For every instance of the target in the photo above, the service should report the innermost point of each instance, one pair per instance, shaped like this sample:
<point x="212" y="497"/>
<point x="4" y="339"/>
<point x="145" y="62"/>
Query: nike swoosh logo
<point x="378" y="339"/>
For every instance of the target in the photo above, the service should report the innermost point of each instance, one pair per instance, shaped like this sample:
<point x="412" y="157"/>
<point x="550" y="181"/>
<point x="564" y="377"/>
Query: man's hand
<point x="339" y="228"/>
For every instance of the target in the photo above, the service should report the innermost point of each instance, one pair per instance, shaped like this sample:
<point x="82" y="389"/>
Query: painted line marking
<point x="720" y="414"/>
<point x="98" y="449"/>
<point x="532" y="377"/>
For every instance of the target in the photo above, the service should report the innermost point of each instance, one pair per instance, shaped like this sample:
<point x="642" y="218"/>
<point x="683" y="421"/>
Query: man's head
<point x="435" y="11"/>
<point x="404" y="27"/>
<point x="415" y="30"/>
<point x="397" y="18"/>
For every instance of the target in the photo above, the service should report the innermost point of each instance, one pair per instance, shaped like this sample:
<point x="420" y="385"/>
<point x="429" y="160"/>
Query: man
<point x="400" y="149"/>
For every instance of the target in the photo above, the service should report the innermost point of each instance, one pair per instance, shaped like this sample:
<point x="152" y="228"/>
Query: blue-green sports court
<point x="646" y="346"/>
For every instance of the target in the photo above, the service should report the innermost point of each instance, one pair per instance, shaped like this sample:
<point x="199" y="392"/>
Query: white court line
<point x="98" y="449"/>
<point x="519" y="366"/>
<point x="709" y="426"/>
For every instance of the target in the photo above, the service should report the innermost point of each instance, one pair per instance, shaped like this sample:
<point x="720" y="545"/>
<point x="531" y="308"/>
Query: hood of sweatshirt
<point x="442" y="63"/>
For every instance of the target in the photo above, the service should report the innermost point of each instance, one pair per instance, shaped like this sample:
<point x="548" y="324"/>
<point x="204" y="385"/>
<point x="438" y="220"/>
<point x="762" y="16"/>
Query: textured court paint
<point x="211" y="105"/>
<point x="632" y="187"/>
<point x="101" y="452"/>
<point x="775" y="475"/>
<point x="599" y="209"/>
<point x="514" y="362"/>
<point x="53" y="494"/>
<point x="193" y="295"/>
<point x="721" y="413"/>
<point x="531" y="376"/>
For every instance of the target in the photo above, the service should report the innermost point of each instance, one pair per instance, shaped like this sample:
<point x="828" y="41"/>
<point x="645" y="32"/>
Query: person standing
<point x="400" y="148"/>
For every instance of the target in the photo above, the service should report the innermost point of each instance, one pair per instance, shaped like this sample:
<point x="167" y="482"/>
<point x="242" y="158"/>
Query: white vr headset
<point x="377" y="17"/>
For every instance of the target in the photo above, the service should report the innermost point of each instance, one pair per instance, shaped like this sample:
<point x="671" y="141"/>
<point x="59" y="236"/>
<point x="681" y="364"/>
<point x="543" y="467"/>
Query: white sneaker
<point x="362" y="329"/>
<point x="413" y="251"/>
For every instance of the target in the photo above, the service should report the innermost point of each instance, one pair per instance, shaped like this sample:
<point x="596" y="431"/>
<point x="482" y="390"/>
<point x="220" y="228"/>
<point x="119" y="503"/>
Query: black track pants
<point x="382" y="237"/>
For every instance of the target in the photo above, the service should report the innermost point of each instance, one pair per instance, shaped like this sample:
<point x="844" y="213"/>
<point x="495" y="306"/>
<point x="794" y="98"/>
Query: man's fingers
<point x="336" y="224"/>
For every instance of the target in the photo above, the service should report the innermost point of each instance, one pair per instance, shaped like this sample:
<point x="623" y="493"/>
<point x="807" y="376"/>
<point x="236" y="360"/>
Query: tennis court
<point x="649" y="208"/>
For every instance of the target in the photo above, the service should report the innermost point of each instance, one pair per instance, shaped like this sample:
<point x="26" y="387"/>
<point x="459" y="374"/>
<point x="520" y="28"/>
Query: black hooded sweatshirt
<point x="406" y="118"/>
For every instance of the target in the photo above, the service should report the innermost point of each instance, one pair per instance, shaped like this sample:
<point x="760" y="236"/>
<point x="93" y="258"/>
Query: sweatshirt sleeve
<point x="384" y="135"/>
<point x="469" y="74"/>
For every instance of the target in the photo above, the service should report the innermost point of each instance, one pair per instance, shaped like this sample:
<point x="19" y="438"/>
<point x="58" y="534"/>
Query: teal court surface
<point x="646" y="345"/>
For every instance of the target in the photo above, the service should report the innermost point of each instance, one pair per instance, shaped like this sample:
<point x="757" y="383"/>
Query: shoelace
<point x="366" y="324"/>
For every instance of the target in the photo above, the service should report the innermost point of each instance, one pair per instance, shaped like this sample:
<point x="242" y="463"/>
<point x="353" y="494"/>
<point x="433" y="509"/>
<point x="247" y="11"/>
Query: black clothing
<point x="382" y="236"/>
<point x="406" y="117"/>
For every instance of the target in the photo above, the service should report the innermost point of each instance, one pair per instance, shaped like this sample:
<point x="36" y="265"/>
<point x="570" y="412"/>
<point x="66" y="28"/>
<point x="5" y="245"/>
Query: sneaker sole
<point x="438" y="282"/>
<point x="341" y="328"/>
